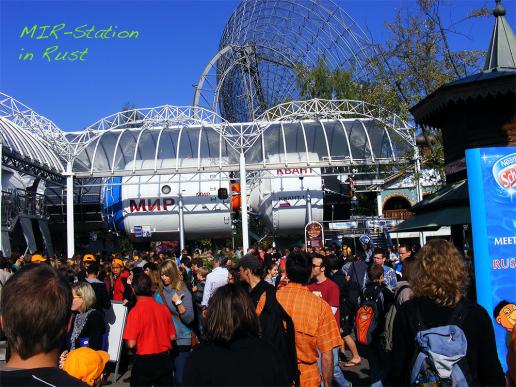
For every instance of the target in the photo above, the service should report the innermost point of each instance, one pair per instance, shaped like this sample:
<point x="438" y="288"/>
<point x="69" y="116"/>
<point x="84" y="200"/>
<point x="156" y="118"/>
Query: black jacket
<point x="247" y="361"/>
<point x="482" y="359"/>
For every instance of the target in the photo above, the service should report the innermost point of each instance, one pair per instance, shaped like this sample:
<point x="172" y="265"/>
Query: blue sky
<point x="176" y="41"/>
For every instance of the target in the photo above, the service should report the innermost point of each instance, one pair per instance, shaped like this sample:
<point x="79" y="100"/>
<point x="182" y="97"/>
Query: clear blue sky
<point x="176" y="40"/>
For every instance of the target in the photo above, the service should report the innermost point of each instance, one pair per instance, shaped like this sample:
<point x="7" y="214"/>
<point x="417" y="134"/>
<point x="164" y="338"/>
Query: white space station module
<point x="205" y="204"/>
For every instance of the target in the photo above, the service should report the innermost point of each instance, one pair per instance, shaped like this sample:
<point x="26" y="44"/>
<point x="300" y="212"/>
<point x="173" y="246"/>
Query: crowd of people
<point x="272" y="318"/>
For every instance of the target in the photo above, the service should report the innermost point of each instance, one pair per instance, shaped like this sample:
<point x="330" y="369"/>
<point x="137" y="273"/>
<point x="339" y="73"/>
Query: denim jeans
<point x="179" y="358"/>
<point x="338" y="375"/>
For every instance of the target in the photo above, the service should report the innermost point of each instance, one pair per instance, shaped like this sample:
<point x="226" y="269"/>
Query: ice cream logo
<point x="504" y="171"/>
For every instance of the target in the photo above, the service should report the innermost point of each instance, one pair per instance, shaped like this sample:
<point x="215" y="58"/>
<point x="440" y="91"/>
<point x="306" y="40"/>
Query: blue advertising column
<point x="492" y="197"/>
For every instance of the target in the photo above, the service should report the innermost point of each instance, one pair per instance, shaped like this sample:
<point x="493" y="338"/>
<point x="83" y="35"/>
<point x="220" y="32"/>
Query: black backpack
<point x="277" y="328"/>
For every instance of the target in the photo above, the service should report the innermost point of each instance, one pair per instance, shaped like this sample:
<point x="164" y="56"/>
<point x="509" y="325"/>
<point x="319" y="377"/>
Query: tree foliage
<point x="414" y="61"/>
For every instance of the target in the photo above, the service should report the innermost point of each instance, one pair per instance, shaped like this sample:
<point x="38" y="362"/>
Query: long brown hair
<point x="169" y="268"/>
<point x="440" y="273"/>
<point x="230" y="315"/>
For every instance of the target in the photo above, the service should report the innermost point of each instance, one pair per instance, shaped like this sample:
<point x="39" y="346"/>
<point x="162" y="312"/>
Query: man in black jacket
<point x="102" y="300"/>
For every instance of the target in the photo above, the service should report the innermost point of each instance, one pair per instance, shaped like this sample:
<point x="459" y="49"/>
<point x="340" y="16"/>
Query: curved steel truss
<point x="266" y="42"/>
<point x="27" y="119"/>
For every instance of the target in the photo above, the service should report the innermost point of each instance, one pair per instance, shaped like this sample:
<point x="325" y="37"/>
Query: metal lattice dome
<point x="264" y="42"/>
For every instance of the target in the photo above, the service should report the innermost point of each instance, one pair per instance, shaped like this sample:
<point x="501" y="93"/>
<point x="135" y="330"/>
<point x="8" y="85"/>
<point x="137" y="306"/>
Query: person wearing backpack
<point x="370" y="321"/>
<point x="402" y="293"/>
<point x="439" y="319"/>
<point x="277" y="328"/>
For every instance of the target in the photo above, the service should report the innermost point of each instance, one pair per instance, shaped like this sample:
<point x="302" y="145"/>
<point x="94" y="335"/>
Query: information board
<point x="492" y="196"/>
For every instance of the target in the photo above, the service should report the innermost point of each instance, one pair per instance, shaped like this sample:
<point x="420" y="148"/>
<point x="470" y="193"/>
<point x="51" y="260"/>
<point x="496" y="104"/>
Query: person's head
<point x="93" y="269"/>
<point x="142" y="285"/>
<point x="4" y="264"/>
<point x="201" y="274"/>
<point x="37" y="258"/>
<point x="220" y="261"/>
<point x="271" y="270"/>
<point x="299" y="267"/>
<point x="331" y="263"/>
<point x="233" y="276"/>
<point x="440" y="273"/>
<point x="170" y="275"/>
<point x="230" y="314"/>
<point x="250" y="267"/>
<point x="86" y="365"/>
<point x="186" y="263"/>
<point x="505" y="315"/>
<point x="404" y="251"/>
<point x="35" y="310"/>
<point x="409" y="266"/>
<point x="149" y="267"/>
<point x="116" y="266"/>
<point x="196" y="264"/>
<point x="379" y="256"/>
<point x="375" y="273"/>
<point x="83" y="297"/>
<point x="318" y="268"/>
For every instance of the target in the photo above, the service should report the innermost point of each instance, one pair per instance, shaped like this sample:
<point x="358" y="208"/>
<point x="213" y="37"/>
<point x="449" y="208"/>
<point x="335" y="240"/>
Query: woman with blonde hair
<point x="88" y="324"/>
<point x="439" y="284"/>
<point x="174" y="294"/>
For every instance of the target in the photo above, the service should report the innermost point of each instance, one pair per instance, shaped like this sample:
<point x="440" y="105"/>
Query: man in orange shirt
<point x="316" y="329"/>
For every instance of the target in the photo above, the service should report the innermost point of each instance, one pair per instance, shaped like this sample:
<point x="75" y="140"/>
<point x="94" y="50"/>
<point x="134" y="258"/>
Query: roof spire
<point x="501" y="54"/>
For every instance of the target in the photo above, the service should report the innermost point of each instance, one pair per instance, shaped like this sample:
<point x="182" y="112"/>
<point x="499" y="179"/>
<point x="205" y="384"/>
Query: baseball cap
<point x="250" y="261"/>
<point x="85" y="364"/>
<point x="117" y="261"/>
<point x="89" y="258"/>
<point x="38" y="258"/>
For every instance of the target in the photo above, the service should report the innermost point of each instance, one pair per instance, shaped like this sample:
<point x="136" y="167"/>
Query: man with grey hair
<point x="217" y="278"/>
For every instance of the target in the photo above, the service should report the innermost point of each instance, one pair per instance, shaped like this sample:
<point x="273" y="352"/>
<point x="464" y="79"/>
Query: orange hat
<point x="89" y="258"/>
<point x="117" y="261"/>
<point x="135" y="258"/>
<point x="85" y="364"/>
<point x="38" y="258"/>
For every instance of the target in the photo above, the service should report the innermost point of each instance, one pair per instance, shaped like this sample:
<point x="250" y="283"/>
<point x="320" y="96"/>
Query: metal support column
<point x="379" y="203"/>
<point x="1" y="197"/>
<point x="70" y="229"/>
<point x="308" y="206"/>
<point x="243" y="200"/>
<point x="181" y="223"/>
<point x="419" y="190"/>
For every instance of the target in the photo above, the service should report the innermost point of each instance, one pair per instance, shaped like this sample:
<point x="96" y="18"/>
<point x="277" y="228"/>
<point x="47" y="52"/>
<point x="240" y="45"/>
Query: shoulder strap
<point x="398" y="292"/>
<point x="459" y="313"/>
<point x="164" y="300"/>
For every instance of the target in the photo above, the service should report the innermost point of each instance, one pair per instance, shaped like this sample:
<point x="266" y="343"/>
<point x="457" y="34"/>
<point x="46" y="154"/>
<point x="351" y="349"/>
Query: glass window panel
<point x="294" y="138"/>
<point x="273" y="142"/>
<point x="337" y="140"/>
<point x="189" y="143"/>
<point x="147" y="145"/>
<point x="105" y="151"/>
<point x="316" y="140"/>
<point x="125" y="152"/>
<point x="357" y="140"/>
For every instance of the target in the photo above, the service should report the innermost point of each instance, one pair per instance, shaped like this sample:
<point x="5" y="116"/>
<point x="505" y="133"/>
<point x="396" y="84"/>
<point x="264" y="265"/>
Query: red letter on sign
<point x="137" y="207"/>
<point x="156" y="204"/>
<point x="167" y="202"/>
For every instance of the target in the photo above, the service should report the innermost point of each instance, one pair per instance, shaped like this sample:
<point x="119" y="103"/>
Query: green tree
<point x="414" y="61"/>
